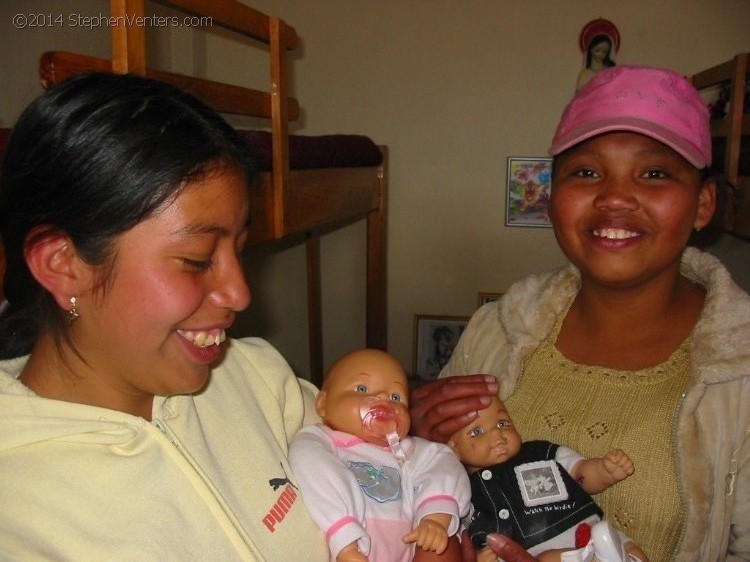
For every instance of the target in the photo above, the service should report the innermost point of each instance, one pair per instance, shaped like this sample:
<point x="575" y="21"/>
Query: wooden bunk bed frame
<point x="730" y="136"/>
<point x="287" y="202"/>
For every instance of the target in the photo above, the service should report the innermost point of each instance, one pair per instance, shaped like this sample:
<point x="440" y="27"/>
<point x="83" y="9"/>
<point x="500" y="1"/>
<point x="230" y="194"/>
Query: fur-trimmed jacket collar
<point x="714" y="423"/>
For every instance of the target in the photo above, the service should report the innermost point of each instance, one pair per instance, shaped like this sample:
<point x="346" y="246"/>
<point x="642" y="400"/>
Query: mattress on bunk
<point x="325" y="151"/>
<point x="305" y="152"/>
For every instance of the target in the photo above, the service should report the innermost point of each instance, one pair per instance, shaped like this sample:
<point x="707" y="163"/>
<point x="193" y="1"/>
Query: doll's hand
<point x="618" y="465"/>
<point x="440" y="408"/>
<point x="431" y="533"/>
<point x="350" y="553"/>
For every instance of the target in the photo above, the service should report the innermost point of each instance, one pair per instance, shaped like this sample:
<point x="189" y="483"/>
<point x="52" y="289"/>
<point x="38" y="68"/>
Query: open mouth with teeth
<point x="204" y="338"/>
<point x="615" y="233"/>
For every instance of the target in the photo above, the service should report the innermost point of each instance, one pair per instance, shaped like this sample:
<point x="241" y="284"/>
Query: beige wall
<point x="453" y="88"/>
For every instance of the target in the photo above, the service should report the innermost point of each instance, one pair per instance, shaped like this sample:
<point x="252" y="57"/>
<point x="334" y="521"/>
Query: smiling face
<point x="176" y="286"/>
<point x="354" y="381"/>
<point x="623" y="206"/>
<point x="490" y="439"/>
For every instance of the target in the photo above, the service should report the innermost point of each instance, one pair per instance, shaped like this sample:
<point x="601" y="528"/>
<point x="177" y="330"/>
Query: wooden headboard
<point x="287" y="201"/>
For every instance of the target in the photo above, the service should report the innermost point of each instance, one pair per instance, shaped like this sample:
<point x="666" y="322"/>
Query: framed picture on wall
<point x="528" y="190"/>
<point x="484" y="298"/>
<point x="434" y="340"/>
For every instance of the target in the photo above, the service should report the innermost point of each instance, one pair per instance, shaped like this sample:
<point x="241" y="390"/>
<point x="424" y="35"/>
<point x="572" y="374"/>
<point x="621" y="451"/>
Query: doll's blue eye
<point x="361" y="388"/>
<point x="396" y="397"/>
<point x="476" y="432"/>
<point x="504" y="424"/>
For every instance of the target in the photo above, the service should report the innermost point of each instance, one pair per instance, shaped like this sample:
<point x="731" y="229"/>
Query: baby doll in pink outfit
<point x="375" y="492"/>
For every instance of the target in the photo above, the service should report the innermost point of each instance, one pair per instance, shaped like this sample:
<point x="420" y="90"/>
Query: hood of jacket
<point x="26" y="418"/>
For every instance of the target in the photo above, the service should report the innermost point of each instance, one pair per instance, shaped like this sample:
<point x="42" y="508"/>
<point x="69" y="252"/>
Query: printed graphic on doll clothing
<point x="382" y="484"/>
<point x="530" y="498"/>
<point x="540" y="483"/>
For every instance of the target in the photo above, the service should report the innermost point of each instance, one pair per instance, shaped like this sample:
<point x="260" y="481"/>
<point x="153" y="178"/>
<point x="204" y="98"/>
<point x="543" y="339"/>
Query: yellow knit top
<point x="593" y="410"/>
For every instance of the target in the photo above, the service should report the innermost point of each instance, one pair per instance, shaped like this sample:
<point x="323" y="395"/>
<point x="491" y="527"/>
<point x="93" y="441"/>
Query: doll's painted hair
<point x="600" y="38"/>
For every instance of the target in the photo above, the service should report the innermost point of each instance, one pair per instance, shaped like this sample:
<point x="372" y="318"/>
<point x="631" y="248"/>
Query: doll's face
<point x="600" y="51"/>
<point x="490" y="439"/>
<point x="357" y="380"/>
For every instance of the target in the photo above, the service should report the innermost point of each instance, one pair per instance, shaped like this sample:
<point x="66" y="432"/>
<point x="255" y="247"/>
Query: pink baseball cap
<point x="655" y="102"/>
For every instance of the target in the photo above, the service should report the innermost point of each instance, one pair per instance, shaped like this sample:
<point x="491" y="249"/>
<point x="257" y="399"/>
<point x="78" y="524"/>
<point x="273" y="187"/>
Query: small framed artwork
<point x="434" y="340"/>
<point x="529" y="185"/>
<point x="484" y="298"/>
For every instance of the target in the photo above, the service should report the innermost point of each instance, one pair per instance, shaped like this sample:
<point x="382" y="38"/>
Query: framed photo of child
<point x="434" y="340"/>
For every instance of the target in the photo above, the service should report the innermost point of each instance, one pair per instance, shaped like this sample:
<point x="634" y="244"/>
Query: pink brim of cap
<point x="690" y="152"/>
<point x="657" y="103"/>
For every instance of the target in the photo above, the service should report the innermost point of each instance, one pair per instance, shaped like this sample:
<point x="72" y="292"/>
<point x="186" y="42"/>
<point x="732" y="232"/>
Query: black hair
<point x="93" y="157"/>
<point x="441" y="332"/>
<point x="601" y="38"/>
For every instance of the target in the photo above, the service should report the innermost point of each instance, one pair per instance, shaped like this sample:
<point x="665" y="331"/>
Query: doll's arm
<point x="329" y="490"/>
<point x="441" y="483"/>
<point x="431" y="533"/>
<point x="597" y="474"/>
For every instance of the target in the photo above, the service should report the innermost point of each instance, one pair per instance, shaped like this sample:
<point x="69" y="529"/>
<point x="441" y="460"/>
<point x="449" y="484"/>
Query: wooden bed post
<point x="377" y="305"/>
<point x="128" y="41"/>
<point x="314" y="309"/>
<point x="278" y="42"/>
<point x="279" y="122"/>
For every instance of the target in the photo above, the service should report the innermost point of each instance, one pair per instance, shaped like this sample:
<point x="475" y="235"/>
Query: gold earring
<point x="72" y="311"/>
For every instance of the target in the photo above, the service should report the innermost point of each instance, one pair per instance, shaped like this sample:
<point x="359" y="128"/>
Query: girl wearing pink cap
<point x="641" y="342"/>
